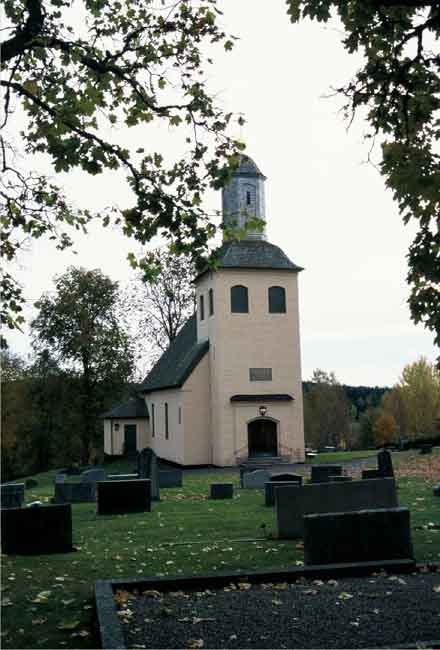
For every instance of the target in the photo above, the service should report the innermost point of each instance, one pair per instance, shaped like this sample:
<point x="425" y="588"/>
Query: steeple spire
<point x="243" y="200"/>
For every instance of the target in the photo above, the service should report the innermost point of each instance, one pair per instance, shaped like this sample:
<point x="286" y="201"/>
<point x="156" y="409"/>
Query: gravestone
<point x="385" y="463"/>
<point x="362" y="536"/>
<point x="322" y="473"/>
<point x="222" y="490"/>
<point x="74" y="492"/>
<point x="12" y="495"/>
<point x="436" y="490"/>
<point x="340" y="479"/>
<point x="256" y="479"/>
<point x="147" y="469"/>
<point x="287" y="476"/>
<point x="124" y="497"/>
<point x="292" y="503"/>
<point x="425" y="449"/>
<point x="246" y="468"/>
<point x="170" y="478"/>
<point x="93" y="475"/>
<point x="30" y="483"/>
<point x="371" y="473"/>
<point x="270" y="490"/>
<point x="37" y="530"/>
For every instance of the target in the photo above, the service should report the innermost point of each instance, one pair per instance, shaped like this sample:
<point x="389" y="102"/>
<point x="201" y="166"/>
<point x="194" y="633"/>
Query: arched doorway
<point x="262" y="438"/>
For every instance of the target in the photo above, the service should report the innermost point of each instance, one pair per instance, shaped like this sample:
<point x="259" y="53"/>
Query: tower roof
<point x="252" y="254"/>
<point x="248" y="167"/>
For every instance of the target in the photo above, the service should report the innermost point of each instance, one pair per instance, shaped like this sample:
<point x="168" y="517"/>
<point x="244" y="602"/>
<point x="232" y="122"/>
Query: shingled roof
<point x="178" y="362"/>
<point x="134" y="407"/>
<point x="252" y="254"/>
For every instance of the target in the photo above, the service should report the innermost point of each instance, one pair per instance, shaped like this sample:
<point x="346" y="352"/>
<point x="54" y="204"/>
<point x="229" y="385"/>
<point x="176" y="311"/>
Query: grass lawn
<point x="47" y="600"/>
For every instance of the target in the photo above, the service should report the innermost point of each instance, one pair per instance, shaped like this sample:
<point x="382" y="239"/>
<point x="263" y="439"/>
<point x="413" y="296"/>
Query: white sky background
<point x="326" y="207"/>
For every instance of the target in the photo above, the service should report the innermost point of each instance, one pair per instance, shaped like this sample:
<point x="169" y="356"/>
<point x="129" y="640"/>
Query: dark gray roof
<point x="247" y="167"/>
<point x="134" y="407"/>
<point x="178" y="362"/>
<point x="262" y="398"/>
<point x="251" y="254"/>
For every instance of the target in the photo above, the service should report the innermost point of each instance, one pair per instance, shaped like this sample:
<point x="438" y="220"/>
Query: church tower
<point x="243" y="199"/>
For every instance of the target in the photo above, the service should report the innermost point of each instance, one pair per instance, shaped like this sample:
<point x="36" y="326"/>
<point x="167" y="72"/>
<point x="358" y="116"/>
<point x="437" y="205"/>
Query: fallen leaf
<point x="281" y="585"/>
<point x="196" y="620"/>
<point x="194" y="643"/>
<point x="69" y="601"/>
<point x="344" y="595"/>
<point x="277" y="602"/>
<point x="68" y="625"/>
<point x="152" y="593"/>
<point x="38" y="621"/>
<point x="436" y="589"/>
<point x="122" y="596"/>
<point x="6" y="602"/>
<point x="42" y="597"/>
<point x="310" y="592"/>
<point x="244" y="586"/>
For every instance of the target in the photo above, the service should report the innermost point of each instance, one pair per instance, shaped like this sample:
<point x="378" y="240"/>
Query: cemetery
<point x="233" y="539"/>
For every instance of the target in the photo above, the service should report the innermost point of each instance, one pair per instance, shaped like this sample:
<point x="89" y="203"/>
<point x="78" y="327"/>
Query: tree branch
<point x="23" y="39"/>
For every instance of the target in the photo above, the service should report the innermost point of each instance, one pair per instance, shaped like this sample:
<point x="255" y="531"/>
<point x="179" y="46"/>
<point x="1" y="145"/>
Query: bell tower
<point x="243" y="199"/>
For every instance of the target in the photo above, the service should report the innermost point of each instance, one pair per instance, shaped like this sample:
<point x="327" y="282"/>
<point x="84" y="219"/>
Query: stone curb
<point x="109" y="627"/>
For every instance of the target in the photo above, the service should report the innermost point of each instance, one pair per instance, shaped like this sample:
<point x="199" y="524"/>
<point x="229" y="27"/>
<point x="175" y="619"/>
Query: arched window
<point x="211" y="302"/>
<point x="277" y="300"/>
<point x="239" y="299"/>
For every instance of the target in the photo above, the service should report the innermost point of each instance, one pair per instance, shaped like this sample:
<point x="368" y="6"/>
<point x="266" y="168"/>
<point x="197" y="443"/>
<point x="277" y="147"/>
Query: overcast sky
<point x="326" y="207"/>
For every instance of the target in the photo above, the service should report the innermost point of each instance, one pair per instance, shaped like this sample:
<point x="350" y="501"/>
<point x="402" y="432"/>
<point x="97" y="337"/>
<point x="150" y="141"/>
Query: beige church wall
<point x="256" y="339"/>
<point x="114" y="440"/>
<point x="173" y="447"/>
<point x="197" y="415"/>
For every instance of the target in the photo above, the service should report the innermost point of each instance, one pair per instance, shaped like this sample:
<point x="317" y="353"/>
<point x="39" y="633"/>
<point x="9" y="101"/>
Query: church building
<point x="229" y="386"/>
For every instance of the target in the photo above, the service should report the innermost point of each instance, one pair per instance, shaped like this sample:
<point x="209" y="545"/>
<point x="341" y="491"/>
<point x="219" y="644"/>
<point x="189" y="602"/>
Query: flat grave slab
<point x="322" y="473"/>
<point x="12" y="495"/>
<point x="222" y="490"/>
<point x="123" y="497"/>
<point x="37" y="530"/>
<point x="70" y="492"/>
<point x="362" y="536"/>
<point x="292" y="503"/>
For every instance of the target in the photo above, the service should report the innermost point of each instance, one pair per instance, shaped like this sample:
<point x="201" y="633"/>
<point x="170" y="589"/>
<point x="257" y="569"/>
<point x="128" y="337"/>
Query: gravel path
<point x="377" y="612"/>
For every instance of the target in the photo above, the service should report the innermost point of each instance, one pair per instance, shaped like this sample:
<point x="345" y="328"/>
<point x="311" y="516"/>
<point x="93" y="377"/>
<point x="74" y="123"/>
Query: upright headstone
<point x="170" y="478"/>
<point x="363" y="536"/>
<point x="246" y="468"/>
<point x="322" y="473"/>
<point x="93" y="476"/>
<point x="147" y="468"/>
<point x="121" y="497"/>
<point x="287" y="476"/>
<point x="292" y="503"/>
<point x="33" y="531"/>
<point x="12" y="495"/>
<point x="425" y="449"/>
<point x="385" y="464"/>
<point x="436" y="490"/>
<point x="256" y="480"/>
<point x="74" y="492"/>
<point x="270" y="490"/>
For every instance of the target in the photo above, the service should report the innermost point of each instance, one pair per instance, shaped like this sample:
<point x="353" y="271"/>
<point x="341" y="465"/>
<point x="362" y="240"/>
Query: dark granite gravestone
<point x="287" y="476"/>
<point x="123" y="497"/>
<point x="436" y="490"/>
<point x="322" y="473"/>
<point x="385" y="463"/>
<point x="256" y="480"/>
<point x="37" y="530"/>
<point x="425" y="449"/>
<point x="30" y="483"/>
<point x="371" y="473"/>
<point x="93" y="476"/>
<point x="12" y="495"/>
<point x="270" y="490"/>
<point x="147" y="468"/>
<point x="222" y="490"/>
<point x="292" y="503"/>
<point x="340" y="479"/>
<point x="170" y="478"/>
<point x="75" y="492"/>
<point x="362" y="536"/>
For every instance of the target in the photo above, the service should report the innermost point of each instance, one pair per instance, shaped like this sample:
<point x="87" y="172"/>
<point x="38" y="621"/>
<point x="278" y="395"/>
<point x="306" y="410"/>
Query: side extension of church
<point x="229" y="387"/>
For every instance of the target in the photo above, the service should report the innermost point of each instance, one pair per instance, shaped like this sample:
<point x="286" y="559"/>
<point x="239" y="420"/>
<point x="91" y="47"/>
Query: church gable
<point x="178" y="361"/>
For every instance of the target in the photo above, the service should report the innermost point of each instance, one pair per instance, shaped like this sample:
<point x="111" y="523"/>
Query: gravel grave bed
<point x="373" y="612"/>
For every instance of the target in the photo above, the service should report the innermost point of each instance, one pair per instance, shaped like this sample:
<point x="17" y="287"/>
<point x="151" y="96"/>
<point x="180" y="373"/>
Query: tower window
<point x="239" y="299"/>
<point x="260" y="374"/>
<point x="211" y="302"/>
<point x="277" y="300"/>
<point x="167" y="433"/>
<point x="202" y="308"/>
<point x="248" y="198"/>
<point x="153" y="424"/>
